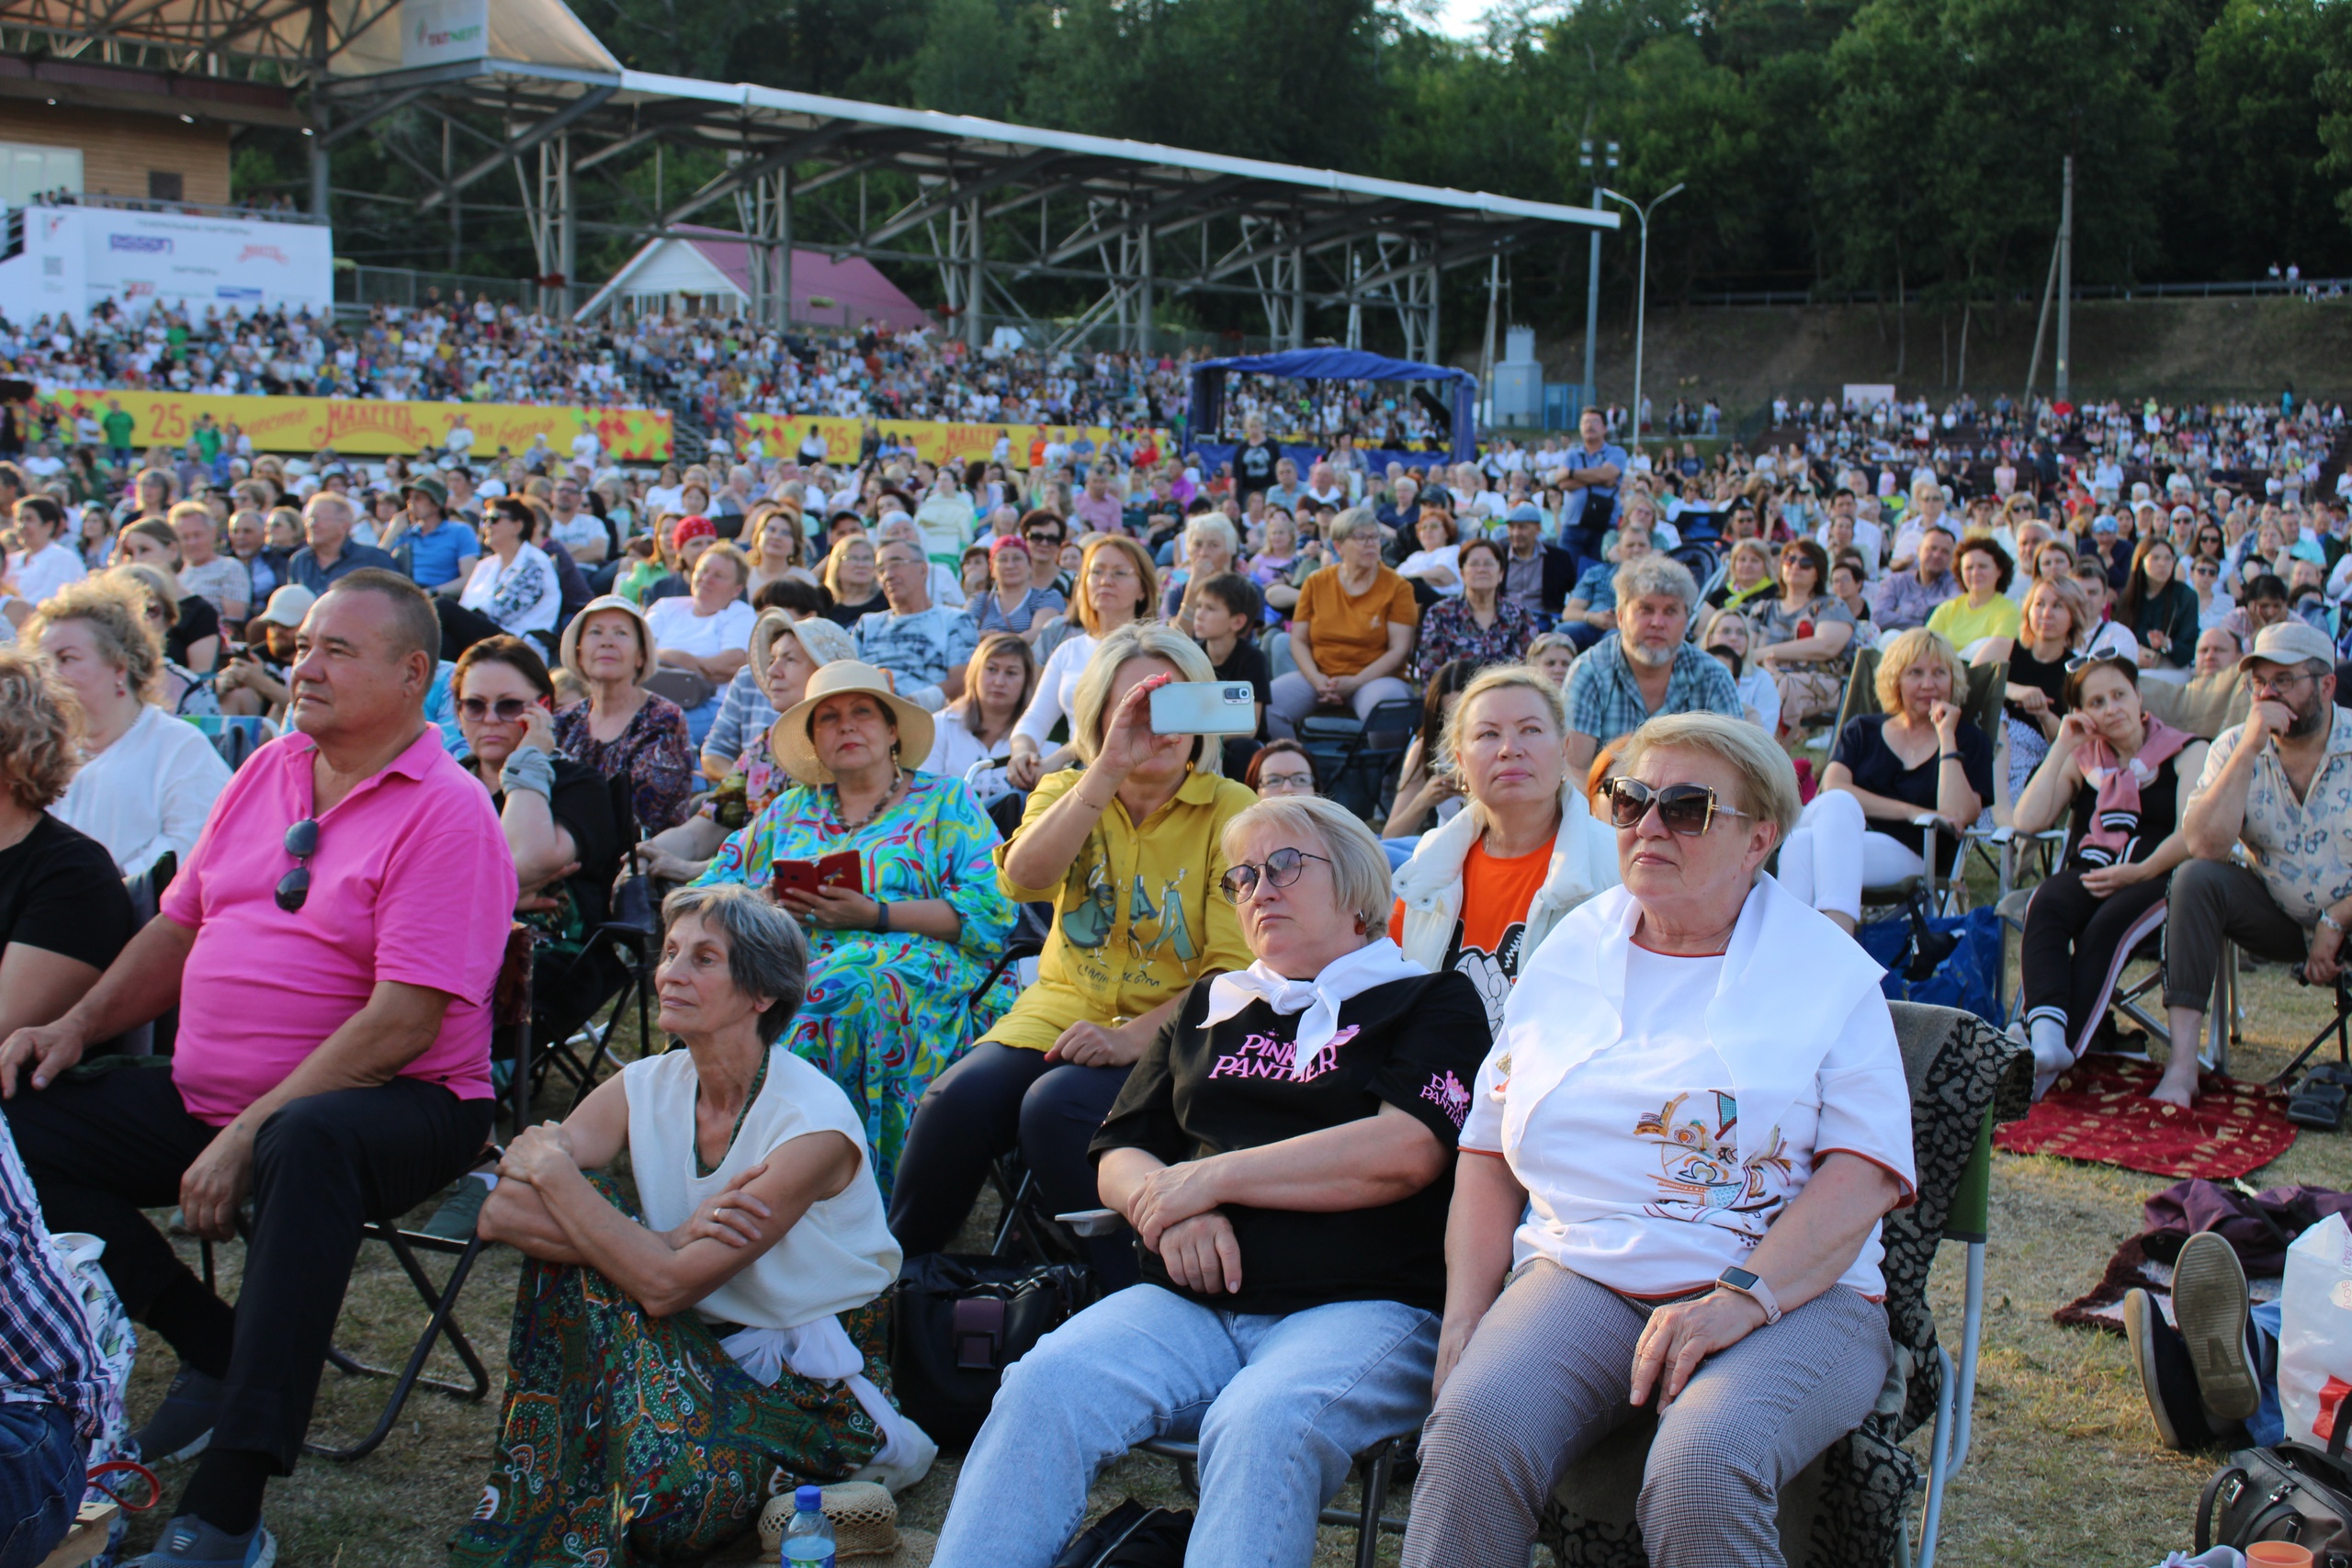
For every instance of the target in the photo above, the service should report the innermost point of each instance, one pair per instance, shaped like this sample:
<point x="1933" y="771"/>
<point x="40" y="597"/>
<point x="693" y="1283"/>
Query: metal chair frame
<point x="1375" y="1469"/>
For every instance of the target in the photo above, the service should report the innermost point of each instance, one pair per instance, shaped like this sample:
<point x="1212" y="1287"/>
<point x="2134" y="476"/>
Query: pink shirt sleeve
<point x="447" y="902"/>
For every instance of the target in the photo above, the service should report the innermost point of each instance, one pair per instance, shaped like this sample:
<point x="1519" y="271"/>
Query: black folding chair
<point x="1353" y="758"/>
<point x="614" y="971"/>
<point x="146" y="891"/>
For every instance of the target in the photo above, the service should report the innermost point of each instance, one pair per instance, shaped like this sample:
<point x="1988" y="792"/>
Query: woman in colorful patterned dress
<point x="674" y="1349"/>
<point x="895" y="956"/>
<point x="785" y="653"/>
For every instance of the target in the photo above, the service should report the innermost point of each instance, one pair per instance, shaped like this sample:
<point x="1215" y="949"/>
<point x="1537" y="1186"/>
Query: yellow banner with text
<point x="936" y="441"/>
<point x="377" y="428"/>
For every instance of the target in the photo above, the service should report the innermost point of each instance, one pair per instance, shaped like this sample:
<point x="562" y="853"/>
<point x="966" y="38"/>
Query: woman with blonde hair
<point x="179" y="689"/>
<point x="1129" y="850"/>
<point x="1118" y="586"/>
<point x="147" y="781"/>
<point x="1554" y="653"/>
<point x="1211" y="548"/>
<point x="63" y="913"/>
<point x="1919" y="756"/>
<point x="2055" y="623"/>
<point x="1748" y="577"/>
<point x="1729" y="636"/>
<point x="1484" y="889"/>
<point x="850" y="576"/>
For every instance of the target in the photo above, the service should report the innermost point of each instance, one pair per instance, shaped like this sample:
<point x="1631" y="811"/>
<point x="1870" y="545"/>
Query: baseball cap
<point x="288" y="605"/>
<point x="2290" y="642"/>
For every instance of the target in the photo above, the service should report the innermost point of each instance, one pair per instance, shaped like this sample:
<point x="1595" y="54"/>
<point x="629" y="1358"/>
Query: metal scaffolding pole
<point x="2067" y="279"/>
<point x="567" y="236"/>
<point x="973" y="287"/>
<point x="1355" y="300"/>
<point x="1297" y="295"/>
<point x="319" y="164"/>
<point x="783" y="250"/>
<point x="1144" y="336"/>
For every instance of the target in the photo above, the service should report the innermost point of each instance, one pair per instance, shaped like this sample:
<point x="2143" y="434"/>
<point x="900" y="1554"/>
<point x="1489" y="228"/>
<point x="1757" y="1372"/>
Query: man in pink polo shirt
<point x="332" y="946"/>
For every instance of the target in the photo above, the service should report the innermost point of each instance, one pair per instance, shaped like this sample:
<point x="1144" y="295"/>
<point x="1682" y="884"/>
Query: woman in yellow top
<point x="1128" y="849"/>
<point x="1984" y="608"/>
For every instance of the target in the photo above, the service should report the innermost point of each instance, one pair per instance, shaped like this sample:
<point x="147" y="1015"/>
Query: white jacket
<point x="1583" y="862"/>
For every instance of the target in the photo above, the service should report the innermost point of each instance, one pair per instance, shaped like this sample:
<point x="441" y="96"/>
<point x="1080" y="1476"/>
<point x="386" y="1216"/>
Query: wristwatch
<point x="1754" y="1288"/>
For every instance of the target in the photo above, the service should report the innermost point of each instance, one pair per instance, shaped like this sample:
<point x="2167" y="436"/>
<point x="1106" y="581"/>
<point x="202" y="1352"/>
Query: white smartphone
<point x="1205" y="707"/>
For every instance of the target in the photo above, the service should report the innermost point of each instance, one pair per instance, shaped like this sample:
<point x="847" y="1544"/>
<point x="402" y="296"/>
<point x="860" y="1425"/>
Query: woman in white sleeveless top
<point x="679" y="1350"/>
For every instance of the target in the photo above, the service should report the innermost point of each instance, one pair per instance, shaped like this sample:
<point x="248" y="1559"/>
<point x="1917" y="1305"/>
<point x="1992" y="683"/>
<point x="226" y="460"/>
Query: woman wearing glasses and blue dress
<point x="1671" y="1175"/>
<point x="1282" y="1150"/>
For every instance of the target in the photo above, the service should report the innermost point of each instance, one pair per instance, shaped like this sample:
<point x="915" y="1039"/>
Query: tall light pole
<point x="1599" y="166"/>
<point x="1642" y="294"/>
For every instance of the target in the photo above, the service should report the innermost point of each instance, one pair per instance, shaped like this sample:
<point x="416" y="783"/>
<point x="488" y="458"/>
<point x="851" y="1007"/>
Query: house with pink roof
<point x="708" y="272"/>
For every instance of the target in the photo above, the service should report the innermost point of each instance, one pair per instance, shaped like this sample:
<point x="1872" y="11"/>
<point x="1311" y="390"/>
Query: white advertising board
<point x="74" y="257"/>
<point x="434" y="32"/>
<point x="1866" y="394"/>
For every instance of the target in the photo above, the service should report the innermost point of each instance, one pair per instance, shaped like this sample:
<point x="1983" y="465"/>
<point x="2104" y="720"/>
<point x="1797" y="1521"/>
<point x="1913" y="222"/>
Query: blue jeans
<point x="1279" y="1405"/>
<point x="40" y="1480"/>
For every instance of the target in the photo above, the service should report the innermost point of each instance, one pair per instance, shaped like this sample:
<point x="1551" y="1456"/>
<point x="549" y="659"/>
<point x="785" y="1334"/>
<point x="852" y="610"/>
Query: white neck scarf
<point x="1375" y="964"/>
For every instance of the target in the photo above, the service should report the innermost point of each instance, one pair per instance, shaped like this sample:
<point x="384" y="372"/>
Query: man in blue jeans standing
<point x="52" y="1377"/>
<point x="1589" y="477"/>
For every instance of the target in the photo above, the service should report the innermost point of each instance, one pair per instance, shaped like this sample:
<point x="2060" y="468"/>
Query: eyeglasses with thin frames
<point x="301" y="842"/>
<point x="1280" y="870"/>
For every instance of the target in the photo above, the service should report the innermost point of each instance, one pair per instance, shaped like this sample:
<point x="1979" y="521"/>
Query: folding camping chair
<point x="1965" y="1077"/>
<point x="1947" y="893"/>
<point x="146" y="891"/>
<point x="566" y="1036"/>
<point x="1375" y="1473"/>
<point x="1354" y="757"/>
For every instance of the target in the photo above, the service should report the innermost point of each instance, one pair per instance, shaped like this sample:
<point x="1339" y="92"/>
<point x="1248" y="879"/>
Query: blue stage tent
<point x="1207" y="410"/>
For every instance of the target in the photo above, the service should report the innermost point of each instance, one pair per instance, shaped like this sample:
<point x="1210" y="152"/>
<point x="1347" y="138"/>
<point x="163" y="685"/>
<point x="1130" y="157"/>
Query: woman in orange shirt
<point x="1350" y="633"/>
<point x="1482" y="890"/>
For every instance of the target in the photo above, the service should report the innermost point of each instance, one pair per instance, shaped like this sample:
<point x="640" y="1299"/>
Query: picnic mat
<point x="2100" y="1110"/>
<point x="2102" y="1305"/>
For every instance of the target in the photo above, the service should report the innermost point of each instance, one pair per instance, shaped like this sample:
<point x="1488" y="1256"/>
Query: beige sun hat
<point x="842" y="676"/>
<point x="821" y="639"/>
<point x="570" y="651"/>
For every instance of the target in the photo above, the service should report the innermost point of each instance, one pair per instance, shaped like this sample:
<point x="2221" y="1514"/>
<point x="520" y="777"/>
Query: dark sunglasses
<point x="506" y="710"/>
<point x="1686" y="810"/>
<point x="1281" y="869"/>
<point x="301" y="842"/>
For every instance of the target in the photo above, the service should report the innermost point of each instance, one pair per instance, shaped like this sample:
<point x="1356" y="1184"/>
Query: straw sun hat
<point x="798" y="753"/>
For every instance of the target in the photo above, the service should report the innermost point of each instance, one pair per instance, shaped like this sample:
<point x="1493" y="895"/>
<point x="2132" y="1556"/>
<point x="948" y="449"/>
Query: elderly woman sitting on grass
<point x="673" y="1353"/>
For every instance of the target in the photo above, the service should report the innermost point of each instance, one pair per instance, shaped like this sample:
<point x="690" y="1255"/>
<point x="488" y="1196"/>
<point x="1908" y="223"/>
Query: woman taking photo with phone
<point x="895" y="956"/>
<point x="1127" y="849"/>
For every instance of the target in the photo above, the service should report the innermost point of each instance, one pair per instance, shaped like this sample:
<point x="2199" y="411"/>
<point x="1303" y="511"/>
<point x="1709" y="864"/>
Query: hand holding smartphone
<point x="1205" y="707"/>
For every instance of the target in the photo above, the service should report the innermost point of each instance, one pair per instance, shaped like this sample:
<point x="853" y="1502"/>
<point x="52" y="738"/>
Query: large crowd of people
<point x="1342" y="1098"/>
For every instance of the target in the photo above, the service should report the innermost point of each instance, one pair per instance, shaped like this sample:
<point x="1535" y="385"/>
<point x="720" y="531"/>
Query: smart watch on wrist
<point x="1754" y="1288"/>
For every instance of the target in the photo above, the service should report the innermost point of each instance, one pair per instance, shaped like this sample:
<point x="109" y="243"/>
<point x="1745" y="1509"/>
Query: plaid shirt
<point x="1904" y="602"/>
<point x="1605" y="702"/>
<point x="48" y="1353"/>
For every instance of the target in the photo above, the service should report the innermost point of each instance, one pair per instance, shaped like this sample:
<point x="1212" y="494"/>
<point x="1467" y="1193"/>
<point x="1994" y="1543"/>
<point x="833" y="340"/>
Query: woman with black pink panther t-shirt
<point x="1282" y="1150"/>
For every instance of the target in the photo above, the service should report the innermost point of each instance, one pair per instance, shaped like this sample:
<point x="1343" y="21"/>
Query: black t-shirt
<point x="1413" y="1044"/>
<point x="198" y="621"/>
<point x="846" y="615"/>
<point x="2145" y="829"/>
<point x="2025" y="670"/>
<point x="1861" y="746"/>
<point x="60" y="892"/>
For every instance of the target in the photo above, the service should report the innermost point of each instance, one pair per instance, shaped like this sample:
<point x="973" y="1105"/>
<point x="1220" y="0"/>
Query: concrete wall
<point x="2166" y="348"/>
<point x="119" y="149"/>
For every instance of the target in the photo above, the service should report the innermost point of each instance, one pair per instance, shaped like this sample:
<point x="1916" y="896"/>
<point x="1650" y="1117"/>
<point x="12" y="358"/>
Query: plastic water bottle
<point x="809" y="1540"/>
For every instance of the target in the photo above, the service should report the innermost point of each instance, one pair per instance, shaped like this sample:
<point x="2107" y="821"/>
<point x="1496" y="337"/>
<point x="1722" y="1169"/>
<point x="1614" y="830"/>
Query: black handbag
<point x="1132" y="1535"/>
<point x="958" y="1320"/>
<point x="2293" y="1493"/>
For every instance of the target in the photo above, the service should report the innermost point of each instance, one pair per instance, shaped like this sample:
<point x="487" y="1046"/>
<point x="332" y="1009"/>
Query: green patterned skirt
<point x="627" y="1438"/>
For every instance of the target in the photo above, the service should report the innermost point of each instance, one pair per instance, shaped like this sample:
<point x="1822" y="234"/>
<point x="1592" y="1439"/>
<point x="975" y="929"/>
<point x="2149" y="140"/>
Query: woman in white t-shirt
<point x="977" y="727"/>
<point x="745" y="1282"/>
<point x="708" y="630"/>
<point x="1696" y="1058"/>
<point x="46" y="563"/>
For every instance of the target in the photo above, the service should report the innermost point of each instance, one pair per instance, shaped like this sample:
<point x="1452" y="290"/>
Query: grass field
<point x="2066" y="1468"/>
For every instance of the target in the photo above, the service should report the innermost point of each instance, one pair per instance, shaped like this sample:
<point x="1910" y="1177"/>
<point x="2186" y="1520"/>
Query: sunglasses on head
<point x="1686" y="810"/>
<point x="1280" y="870"/>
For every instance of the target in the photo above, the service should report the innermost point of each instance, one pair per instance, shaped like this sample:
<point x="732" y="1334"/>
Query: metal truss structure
<point x="1003" y="212"/>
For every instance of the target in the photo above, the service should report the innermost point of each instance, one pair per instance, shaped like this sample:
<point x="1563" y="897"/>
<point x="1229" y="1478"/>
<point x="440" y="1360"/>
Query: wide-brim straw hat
<point x="798" y="753"/>
<point x="569" y="652"/>
<point x="821" y="639"/>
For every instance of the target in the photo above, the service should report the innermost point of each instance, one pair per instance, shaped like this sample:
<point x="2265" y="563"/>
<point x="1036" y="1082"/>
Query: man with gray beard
<point x="1645" y="667"/>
